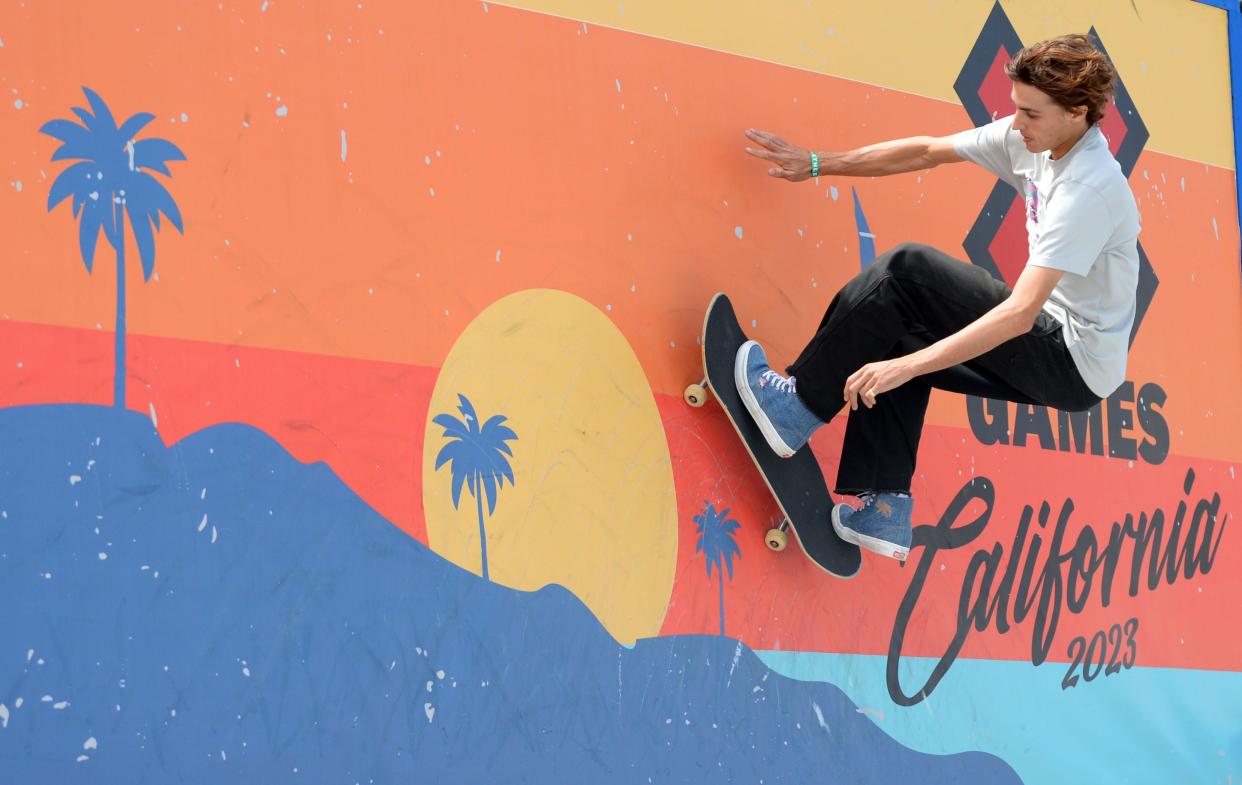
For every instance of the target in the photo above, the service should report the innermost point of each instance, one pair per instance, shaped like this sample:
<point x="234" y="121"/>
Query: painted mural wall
<point x="342" y="348"/>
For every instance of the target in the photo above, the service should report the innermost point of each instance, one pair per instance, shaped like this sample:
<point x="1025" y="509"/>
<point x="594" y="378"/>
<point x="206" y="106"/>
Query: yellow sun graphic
<point x="592" y="505"/>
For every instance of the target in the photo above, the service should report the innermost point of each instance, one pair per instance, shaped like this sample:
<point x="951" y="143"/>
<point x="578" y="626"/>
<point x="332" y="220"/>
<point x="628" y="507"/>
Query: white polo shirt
<point x="1081" y="218"/>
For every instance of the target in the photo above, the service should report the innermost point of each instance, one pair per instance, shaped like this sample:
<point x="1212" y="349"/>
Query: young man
<point x="916" y="318"/>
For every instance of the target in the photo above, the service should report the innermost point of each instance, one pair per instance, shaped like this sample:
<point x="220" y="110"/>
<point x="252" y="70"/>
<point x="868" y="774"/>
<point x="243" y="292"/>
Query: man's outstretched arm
<point x="913" y="154"/>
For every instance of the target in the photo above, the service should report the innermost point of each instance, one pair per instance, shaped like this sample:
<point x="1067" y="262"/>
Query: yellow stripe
<point x="1172" y="54"/>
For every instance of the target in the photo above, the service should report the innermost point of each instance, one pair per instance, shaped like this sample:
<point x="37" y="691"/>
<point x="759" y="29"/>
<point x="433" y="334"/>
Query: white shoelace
<point x="778" y="382"/>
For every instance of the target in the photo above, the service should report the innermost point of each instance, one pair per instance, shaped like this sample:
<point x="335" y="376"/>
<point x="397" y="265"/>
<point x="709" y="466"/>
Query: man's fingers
<point x="851" y="394"/>
<point x="856" y="386"/>
<point x="759" y="137"/>
<point x="768" y="140"/>
<point x="852" y="382"/>
<point x="764" y="154"/>
<point x="772" y="140"/>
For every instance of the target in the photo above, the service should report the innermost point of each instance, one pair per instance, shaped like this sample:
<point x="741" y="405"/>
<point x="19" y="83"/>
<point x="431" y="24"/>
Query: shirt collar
<point x="1092" y="137"/>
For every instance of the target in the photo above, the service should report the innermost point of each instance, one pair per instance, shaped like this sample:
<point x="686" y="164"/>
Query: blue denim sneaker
<point x="773" y="401"/>
<point x="881" y="524"/>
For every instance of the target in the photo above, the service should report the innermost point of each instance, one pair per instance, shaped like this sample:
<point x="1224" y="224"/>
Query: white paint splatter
<point x="432" y="191"/>
<point x="213" y="535"/>
<point x="103" y="556"/>
<point x="498" y="255"/>
<point x="90" y="744"/>
<point x="282" y="111"/>
<point x="4" y="716"/>
<point x="203" y="523"/>
<point x="1215" y="228"/>
<point x="74" y="479"/>
<point x="430" y="711"/>
<point x="819" y="715"/>
<point x="155" y="423"/>
<point x="61" y="706"/>
<point x="737" y="231"/>
<point x="737" y="655"/>
<point x="344" y="145"/>
<point x="17" y="104"/>
<point x="185" y="118"/>
<point x="618" y="85"/>
<point x="427" y="160"/>
<point x="82" y="758"/>
<point x="17" y="184"/>
<point x="263" y="8"/>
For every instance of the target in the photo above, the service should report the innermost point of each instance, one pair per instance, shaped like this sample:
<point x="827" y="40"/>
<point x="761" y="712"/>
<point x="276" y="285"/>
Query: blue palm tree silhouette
<point x="717" y="544"/>
<point x="476" y="458"/>
<point x="107" y="182"/>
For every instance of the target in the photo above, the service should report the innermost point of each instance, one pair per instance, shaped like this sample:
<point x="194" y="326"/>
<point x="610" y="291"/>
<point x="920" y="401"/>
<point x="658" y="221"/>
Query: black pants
<point x="905" y="300"/>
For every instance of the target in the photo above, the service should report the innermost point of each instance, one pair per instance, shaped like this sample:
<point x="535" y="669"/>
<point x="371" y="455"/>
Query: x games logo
<point x="1129" y="424"/>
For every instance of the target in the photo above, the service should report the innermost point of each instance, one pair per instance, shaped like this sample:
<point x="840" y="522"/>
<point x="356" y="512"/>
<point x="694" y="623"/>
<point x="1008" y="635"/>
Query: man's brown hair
<point x="1070" y="70"/>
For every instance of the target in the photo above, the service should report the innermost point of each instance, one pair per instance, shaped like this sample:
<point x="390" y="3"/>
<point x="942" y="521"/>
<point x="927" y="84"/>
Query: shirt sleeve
<point x="1077" y="227"/>
<point x="986" y="146"/>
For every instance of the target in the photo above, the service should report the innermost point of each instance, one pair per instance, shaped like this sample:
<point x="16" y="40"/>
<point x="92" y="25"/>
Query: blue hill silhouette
<point x="219" y="612"/>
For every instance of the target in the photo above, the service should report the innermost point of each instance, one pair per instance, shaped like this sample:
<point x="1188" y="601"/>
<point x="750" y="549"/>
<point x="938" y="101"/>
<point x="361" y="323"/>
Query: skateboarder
<point x="917" y="318"/>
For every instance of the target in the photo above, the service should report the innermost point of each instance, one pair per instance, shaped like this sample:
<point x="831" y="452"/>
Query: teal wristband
<point x="814" y="165"/>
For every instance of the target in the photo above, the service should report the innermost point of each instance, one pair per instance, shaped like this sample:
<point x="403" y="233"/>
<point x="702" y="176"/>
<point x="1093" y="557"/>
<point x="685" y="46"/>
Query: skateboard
<point x="796" y="483"/>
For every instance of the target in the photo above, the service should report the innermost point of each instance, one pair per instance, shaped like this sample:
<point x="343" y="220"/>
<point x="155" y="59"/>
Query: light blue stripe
<point x="1144" y="725"/>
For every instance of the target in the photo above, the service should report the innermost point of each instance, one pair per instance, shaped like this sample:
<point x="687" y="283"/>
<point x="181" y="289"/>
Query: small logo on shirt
<point x="1032" y="202"/>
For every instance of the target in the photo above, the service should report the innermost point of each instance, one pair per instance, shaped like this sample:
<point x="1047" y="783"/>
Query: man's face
<point x="1045" y="124"/>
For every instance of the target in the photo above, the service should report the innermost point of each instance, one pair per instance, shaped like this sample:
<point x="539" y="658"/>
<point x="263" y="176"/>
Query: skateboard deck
<point x="796" y="483"/>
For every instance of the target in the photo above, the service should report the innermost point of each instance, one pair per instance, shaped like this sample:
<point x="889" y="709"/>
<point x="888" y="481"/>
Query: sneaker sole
<point x="751" y="403"/>
<point x="873" y="544"/>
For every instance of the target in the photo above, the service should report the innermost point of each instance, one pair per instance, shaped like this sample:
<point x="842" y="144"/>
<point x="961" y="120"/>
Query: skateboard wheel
<point x="695" y="395"/>
<point x="776" y="539"/>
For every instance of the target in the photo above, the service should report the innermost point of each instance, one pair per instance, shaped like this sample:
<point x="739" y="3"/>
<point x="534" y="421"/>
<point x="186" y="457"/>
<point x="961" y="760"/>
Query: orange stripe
<point x="544" y="175"/>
